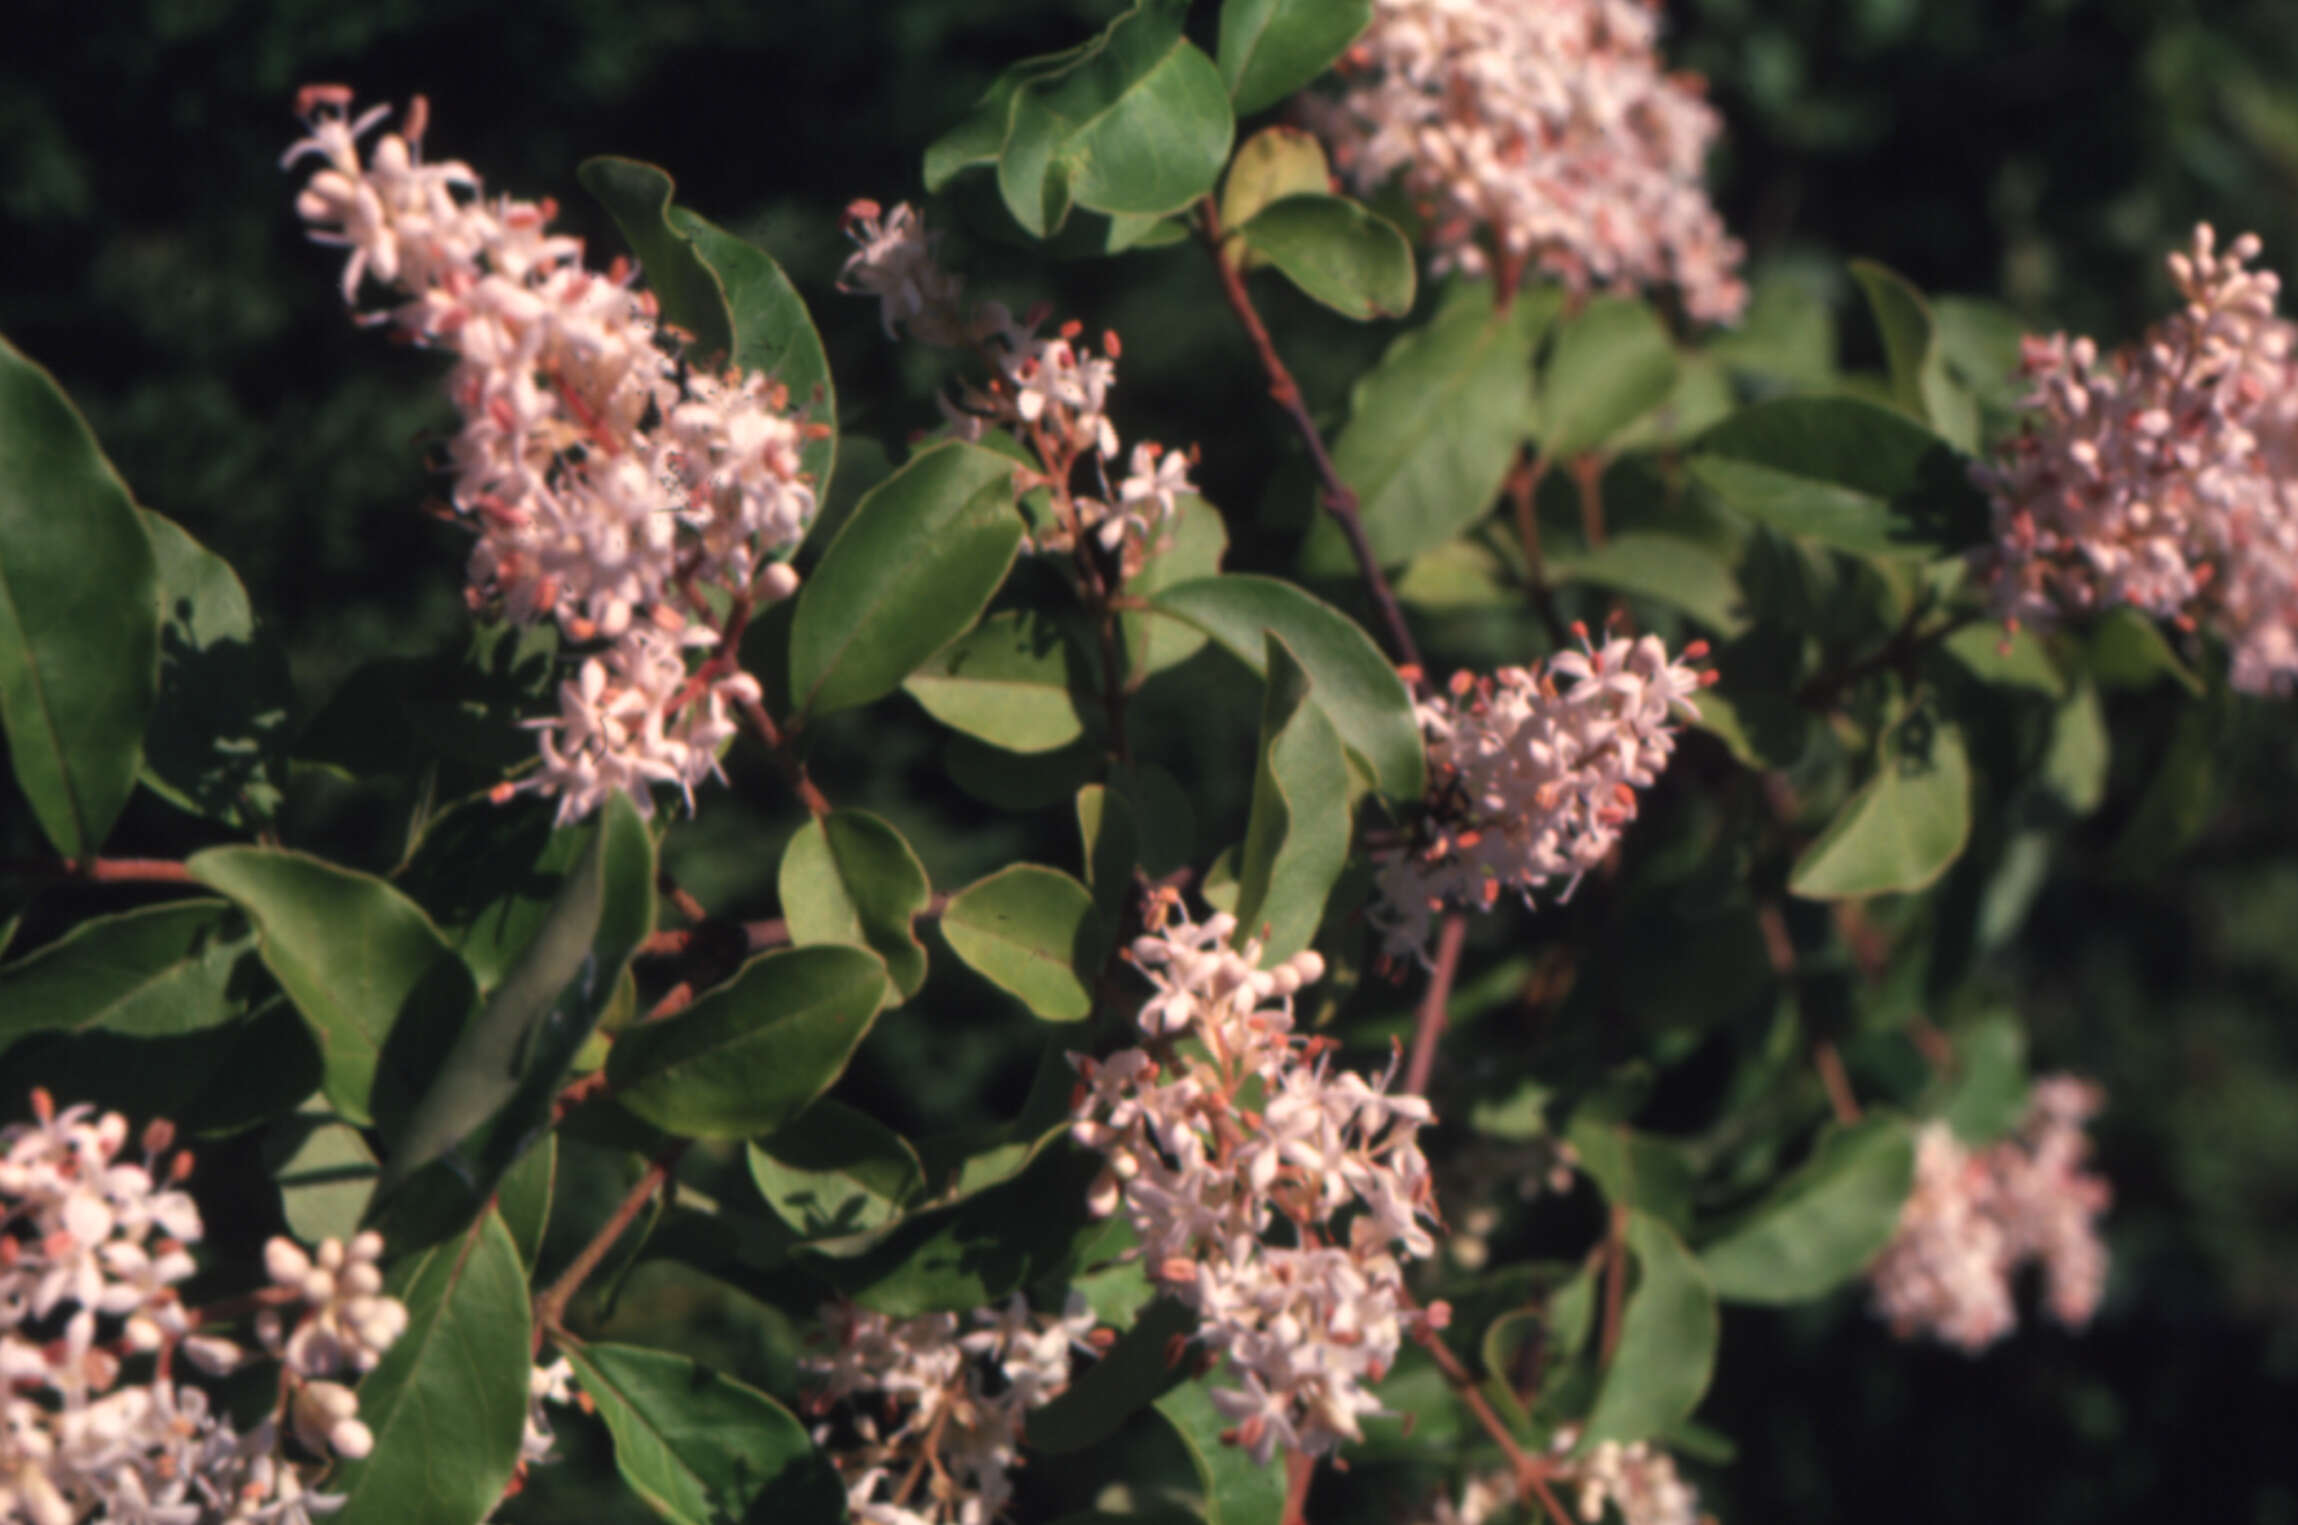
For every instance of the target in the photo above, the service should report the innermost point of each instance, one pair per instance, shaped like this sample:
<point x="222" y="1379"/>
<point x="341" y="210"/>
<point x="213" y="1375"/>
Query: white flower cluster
<point x="953" y="1402"/>
<point x="2164" y="477"/>
<point x="615" y="490"/>
<point x="1976" y="1217"/>
<point x="1306" y="1326"/>
<point x="1638" y="1480"/>
<point x="1052" y="391"/>
<point x="1544" y="134"/>
<point x="1532" y="776"/>
<point x="92" y="1423"/>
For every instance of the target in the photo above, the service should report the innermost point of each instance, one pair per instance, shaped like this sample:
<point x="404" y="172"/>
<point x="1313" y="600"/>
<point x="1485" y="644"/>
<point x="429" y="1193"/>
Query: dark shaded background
<point x="2045" y="152"/>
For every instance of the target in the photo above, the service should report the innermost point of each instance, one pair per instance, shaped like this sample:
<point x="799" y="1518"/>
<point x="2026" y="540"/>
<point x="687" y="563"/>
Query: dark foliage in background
<point x="2046" y="152"/>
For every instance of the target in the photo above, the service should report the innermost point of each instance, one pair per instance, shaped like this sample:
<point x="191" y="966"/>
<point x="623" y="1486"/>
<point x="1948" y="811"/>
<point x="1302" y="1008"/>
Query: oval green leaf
<point x="1297" y="835"/>
<point x="836" y="1171"/>
<point x="1338" y="251"/>
<point x="1270" y="48"/>
<point x="848" y="877"/>
<point x="1818" y="1228"/>
<point x="217" y="741"/>
<point x="1237" y="1489"/>
<point x="79" y="614"/>
<point x="1611" y="364"/>
<point x="1915" y="357"/>
<point x="1034" y="933"/>
<point x="750" y="1055"/>
<point x="161" y="971"/>
<point x="1668" y="1334"/>
<point x="1904" y="826"/>
<point x="1272" y="164"/>
<point x="1016" y="681"/>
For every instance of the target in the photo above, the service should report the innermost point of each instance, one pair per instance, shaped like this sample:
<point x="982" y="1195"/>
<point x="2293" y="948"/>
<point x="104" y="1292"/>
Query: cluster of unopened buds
<point x="1638" y="1480"/>
<point x="1224" y="1123"/>
<point x="616" y="489"/>
<point x="2163" y="477"/>
<point x="1532" y="777"/>
<point x="93" y="1424"/>
<point x="1051" y="391"/>
<point x="1976" y="1217"/>
<point x="942" y="1436"/>
<point x="1540" y="135"/>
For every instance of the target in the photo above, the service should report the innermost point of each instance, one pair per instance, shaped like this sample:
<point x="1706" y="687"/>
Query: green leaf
<point x="492" y="1095"/>
<point x="836" y="1171"/>
<point x="848" y="877"/>
<point x="1272" y="164"/>
<point x="1611" y="364"/>
<point x="1016" y="681"/>
<point x="2127" y="650"/>
<point x="380" y="989"/>
<point x="1145" y="124"/>
<point x="1356" y="687"/>
<point x="524" y="1198"/>
<point x="1818" y="1228"/>
<point x="1130" y="1375"/>
<point x="911" y="569"/>
<point x="1270" y="48"/>
<point x="489" y="874"/>
<point x="1664" y="568"/>
<point x="1634" y="1169"/>
<point x="2075" y="768"/>
<point x="1238" y="1489"/>
<point x="1031" y="931"/>
<point x="725" y="291"/>
<point x="160" y="971"/>
<point x="1297" y="836"/>
<point x="750" y="1055"/>
<point x="448" y="1402"/>
<point x="79" y="614"/>
<point x="2184" y="793"/>
<point x="1193" y="549"/>
<point x="325" y="1174"/>
<point x="2007" y="658"/>
<point x="699" y="1447"/>
<point x="1915" y="357"/>
<point x="1668" y="1334"/>
<point x="1434" y="428"/>
<point x="1338" y="251"/>
<point x="1904" y="826"/>
<point x="1845" y="473"/>
<point x="217" y="739"/>
<point x="1986" y="1092"/>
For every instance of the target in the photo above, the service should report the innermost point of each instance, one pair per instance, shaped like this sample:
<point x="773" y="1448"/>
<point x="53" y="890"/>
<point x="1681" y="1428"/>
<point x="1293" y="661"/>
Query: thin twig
<point x="1588" y="476"/>
<point x="1300" y="1470"/>
<point x="1837" y="1080"/>
<point x="98" y="870"/>
<point x="1428" y="1021"/>
<point x="1530" y="1473"/>
<point x="1523" y="495"/>
<point x="1340" y="499"/>
<point x="793" y="766"/>
<point x="551" y="1307"/>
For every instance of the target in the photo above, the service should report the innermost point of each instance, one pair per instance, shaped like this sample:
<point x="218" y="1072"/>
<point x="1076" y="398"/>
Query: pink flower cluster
<point x="615" y="490"/>
<point x="1544" y="134"/>
<point x="1306" y="1325"/>
<point x="1532" y="777"/>
<point x="1051" y="391"/>
<point x="93" y="1245"/>
<point x="1638" y="1480"/>
<point x="953" y="1400"/>
<point x="1977" y="1216"/>
<point x="2164" y="477"/>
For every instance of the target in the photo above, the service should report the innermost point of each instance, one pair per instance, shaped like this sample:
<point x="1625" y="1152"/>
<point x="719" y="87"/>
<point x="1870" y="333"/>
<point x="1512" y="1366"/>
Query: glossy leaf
<point x="1297" y="836"/>
<point x="1271" y="48"/>
<point x="488" y="875"/>
<point x="448" y="1403"/>
<point x="1131" y="1375"/>
<point x="1668" y="1333"/>
<point x="160" y="971"/>
<point x="492" y="1095"/>
<point x="1915" y="356"/>
<point x="698" y="1447"/>
<point x="1844" y="473"/>
<point x="1986" y="1091"/>
<point x="1016" y="681"/>
<point x="726" y="291"/>
<point x="326" y="1174"/>
<point x="836" y="1171"/>
<point x="1664" y="568"/>
<point x="1193" y="548"/>
<point x="1034" y="933"/>
<point x="1356" y="687"/>
<point x="1904" y="826"/>
<point x="750" y="1055"/>
<point x="848" y="877"/>
<point x="1338" y="252"/>
<point x="1272" y="164"/>
<point x="2127" y="650"/>
<point x="1819" y="1227"/>
<point x="217" y="741"/>
<point x="1434" y="428"/>
<point x="911" y="569"/>
<point x="380" y="989"/>
<point x="79" y="614"/>
<point x="1237" y="1489"/>
<point x="524" y="1198"/>
<point x="1612" y="363"/>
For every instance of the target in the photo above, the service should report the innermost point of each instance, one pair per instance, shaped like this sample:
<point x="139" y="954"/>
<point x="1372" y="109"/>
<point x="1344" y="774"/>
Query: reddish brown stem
<point x="1588" y="476"/>
<point x="1428" y="1021"/>
<point x="1530" y="1473"/>
<point x="793" y="768"/>
<point x="1837" y="1080"/>
<point x="1523" y="496"/>
<point x="1340" y="499"/>
<point x="551" y="1307"/>
<point x="1300" y="1470"/>
<point x="98" y="870"/>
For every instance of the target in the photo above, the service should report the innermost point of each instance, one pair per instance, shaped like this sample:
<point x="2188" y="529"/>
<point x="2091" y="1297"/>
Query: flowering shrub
<point x="1757" y="668"/>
